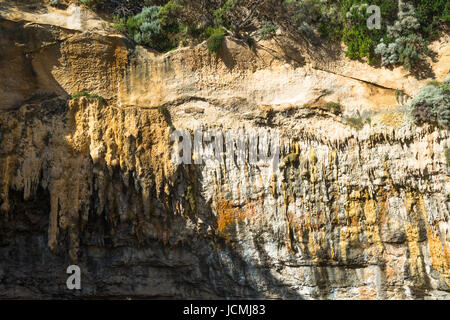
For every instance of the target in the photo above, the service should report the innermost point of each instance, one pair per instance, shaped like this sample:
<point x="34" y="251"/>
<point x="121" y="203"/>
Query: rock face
<point x="355" y="207"/>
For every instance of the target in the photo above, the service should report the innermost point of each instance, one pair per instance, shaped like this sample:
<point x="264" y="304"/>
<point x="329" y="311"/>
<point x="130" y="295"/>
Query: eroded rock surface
<point x="352" y="210"/>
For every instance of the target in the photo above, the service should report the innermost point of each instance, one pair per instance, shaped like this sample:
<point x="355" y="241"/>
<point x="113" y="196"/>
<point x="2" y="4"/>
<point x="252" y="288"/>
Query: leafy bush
<point x="334" y="107"/>
<point x="433" y="83"/>
<point x="357" y="36"/>
<point x="93" y="4"/>
<point x="307" y="31"/>
<point x="147" y="28"/>
<point x="190" y="34"/>
<point x="359" y="120"/>
<point x="55" y="3"/>
<point x="87" y="95"/>
<point x="215" y="39"/>
<point x="330" y="22"/>
<point x="432" y="104"/>
<point x="431" y="14"/>
<point x="168" y="12"/>
<point x="443" y="112"/>
<point x="267" y="29"/>
<point x="303" y="14"/>
<point x="403" y="44"/>
<point x="422" y="114"/>
<point x="187" y="21"/>
<point x="220" y="15"/>
<point x="360" y="40"/>
<point x="304" y="11"/>
<point x="355" y="122"/>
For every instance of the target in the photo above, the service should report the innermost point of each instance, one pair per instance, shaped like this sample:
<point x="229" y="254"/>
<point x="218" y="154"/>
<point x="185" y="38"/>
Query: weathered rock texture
<point x="354" y="211"/>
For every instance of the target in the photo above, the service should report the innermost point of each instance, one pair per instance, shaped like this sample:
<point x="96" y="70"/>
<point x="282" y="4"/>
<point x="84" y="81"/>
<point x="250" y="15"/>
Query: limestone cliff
<point x="358" y="207"/>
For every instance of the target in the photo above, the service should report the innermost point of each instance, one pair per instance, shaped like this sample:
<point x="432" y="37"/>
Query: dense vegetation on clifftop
<point x="401" y="39"/>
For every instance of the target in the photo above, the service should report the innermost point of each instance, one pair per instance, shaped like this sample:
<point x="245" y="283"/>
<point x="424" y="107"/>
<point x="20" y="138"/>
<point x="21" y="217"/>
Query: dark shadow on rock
<point x="423" y="70"/>
<point x="226" y="55"/>
<point x="125" y="252"/>
<point x="33" y="62"/>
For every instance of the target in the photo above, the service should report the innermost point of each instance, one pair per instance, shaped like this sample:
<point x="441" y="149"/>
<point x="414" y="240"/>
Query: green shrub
<point x="162" y="25"/>
<point x="432" y="105"/>
<point x="359" y="120"/>
<point x="87" y="95"/>
<point x="55" y="3"/>
<point x="220" y="15"/>
<point x="267" y="29"/>
<point x="148" y="26"/>
<point x="403" y="43"/>
<point x="357" y="36"/>
<point x="308" y="11"/>
<point x="167" y="14"/>
<point x="93" y="4"/>
<point x="303" y="14"/>
<point x="331" y="23"/>
<point x="334" y="107"/>
<point x="355" y="122"/>
<point x="443" y="113"/>
<point x="431" y="14"/>
<point x="215" y="39"/>
<point x="360" y="40"/>
<point x="433" y="83"/>
<point x="190" y="34"/>
<point x="147" y="29"/>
